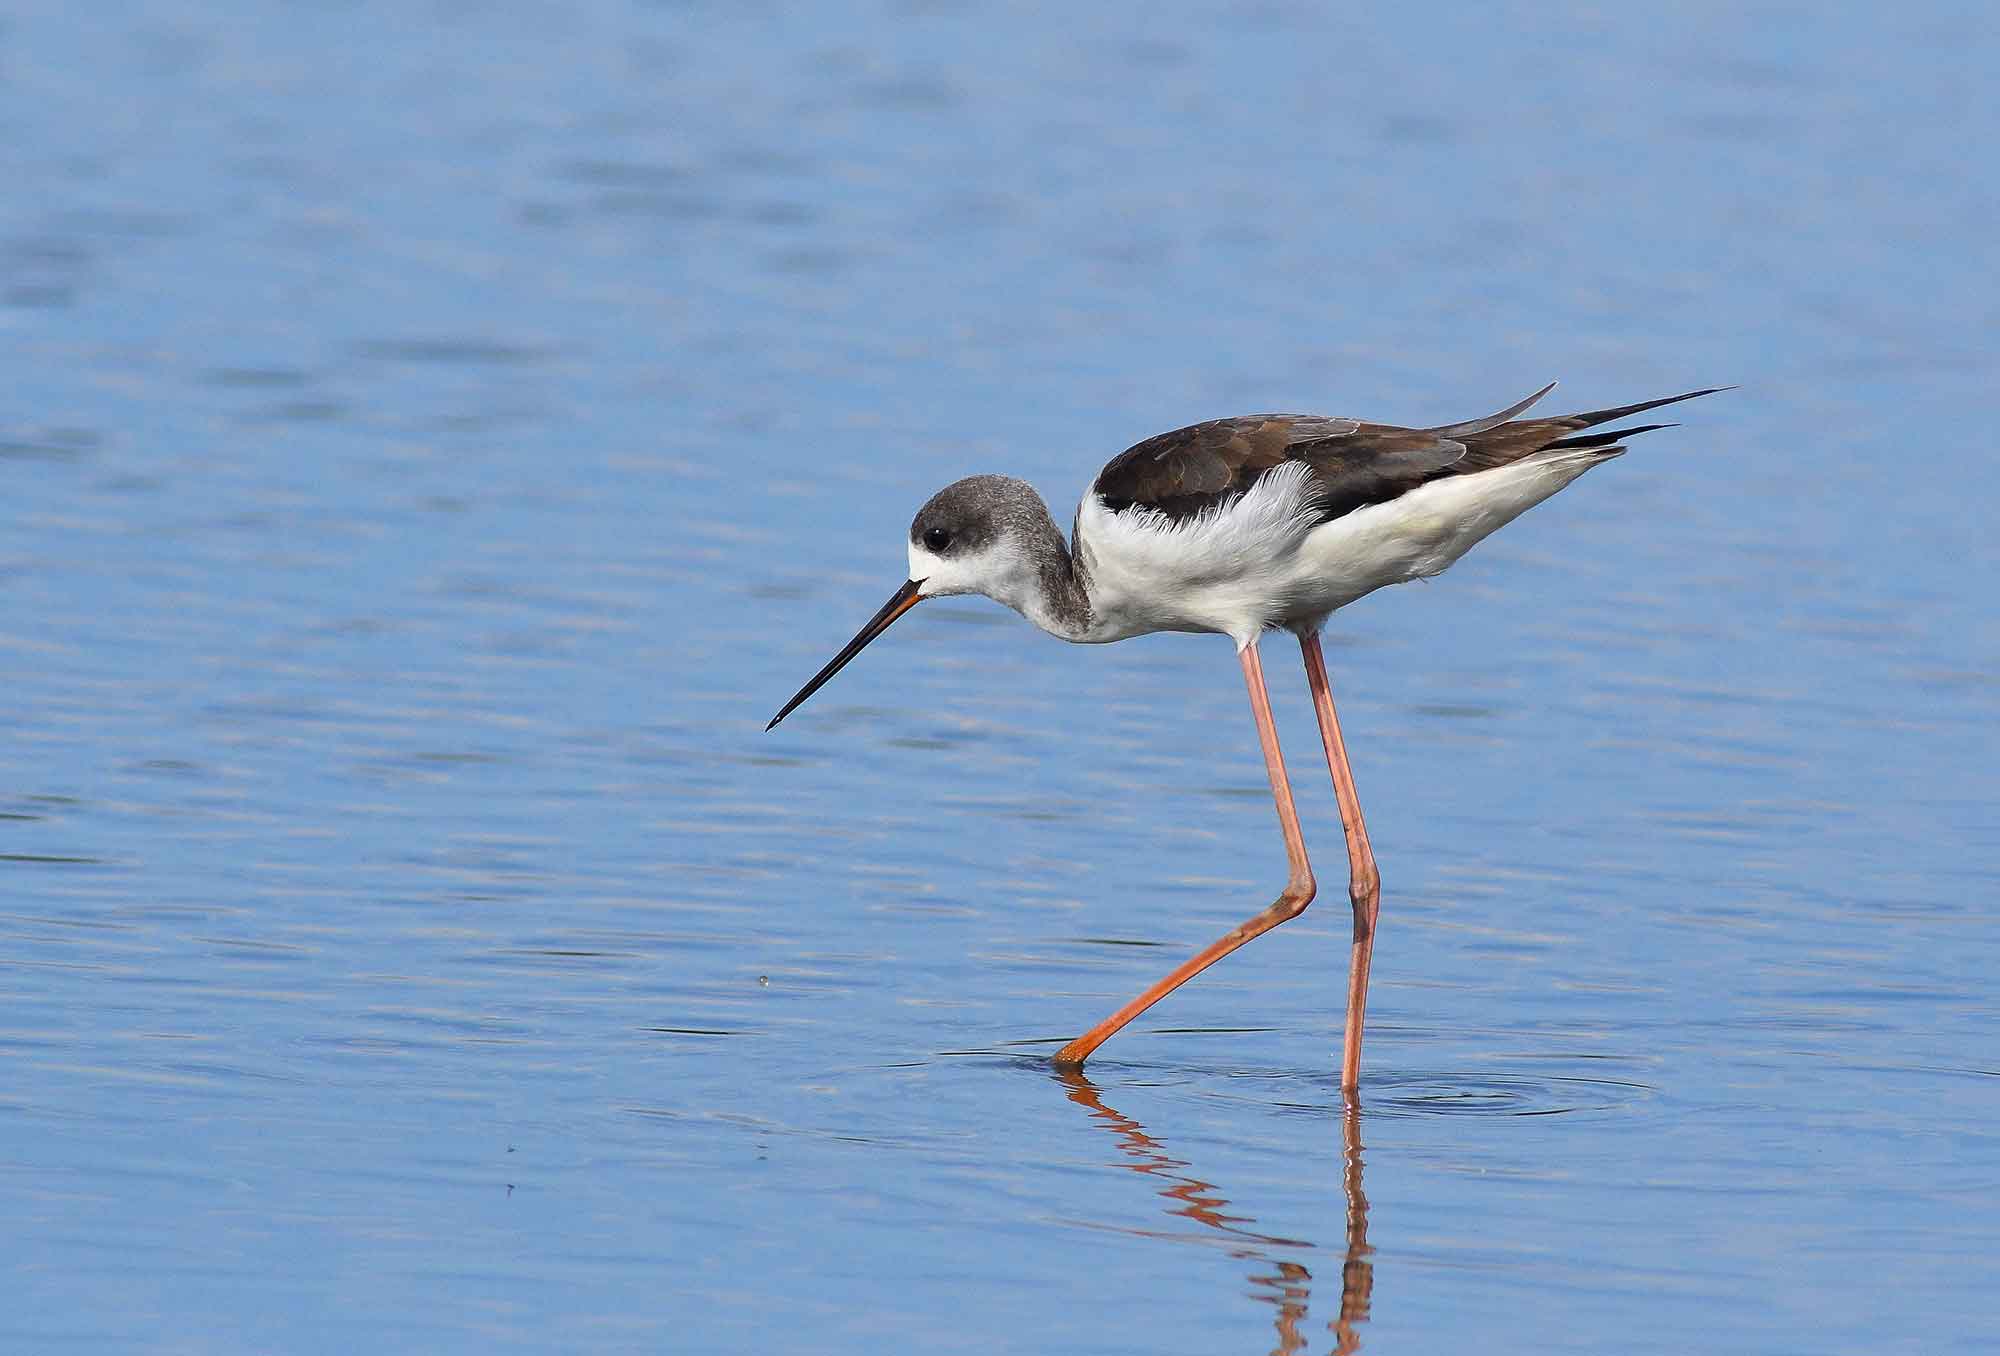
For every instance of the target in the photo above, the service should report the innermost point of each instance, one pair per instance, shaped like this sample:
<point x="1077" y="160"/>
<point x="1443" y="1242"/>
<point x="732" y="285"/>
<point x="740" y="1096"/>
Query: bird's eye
<point x="937" y="538"/>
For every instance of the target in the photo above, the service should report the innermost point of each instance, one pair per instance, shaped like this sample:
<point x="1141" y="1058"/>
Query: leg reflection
<point x="1357" y="1273"/>
<point x="1282" y="1280"/>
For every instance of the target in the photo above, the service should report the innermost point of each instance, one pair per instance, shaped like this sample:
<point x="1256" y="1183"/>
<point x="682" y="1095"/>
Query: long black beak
<point x="903" y="600"/>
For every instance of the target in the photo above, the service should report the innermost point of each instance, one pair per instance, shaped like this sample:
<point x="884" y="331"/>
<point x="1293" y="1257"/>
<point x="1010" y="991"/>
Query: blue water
<point x="437" y="437"/>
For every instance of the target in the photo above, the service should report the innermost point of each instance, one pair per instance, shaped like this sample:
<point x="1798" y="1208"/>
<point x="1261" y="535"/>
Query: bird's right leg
<point x="1298" y="891"/>
<point x="1364" y="886"/>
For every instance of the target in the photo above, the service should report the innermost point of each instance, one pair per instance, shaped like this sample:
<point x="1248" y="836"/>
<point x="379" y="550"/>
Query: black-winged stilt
<point x="1241" y="526"/>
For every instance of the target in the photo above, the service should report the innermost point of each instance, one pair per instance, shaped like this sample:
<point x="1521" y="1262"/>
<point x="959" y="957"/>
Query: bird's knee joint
<point x="1298" y="894"/>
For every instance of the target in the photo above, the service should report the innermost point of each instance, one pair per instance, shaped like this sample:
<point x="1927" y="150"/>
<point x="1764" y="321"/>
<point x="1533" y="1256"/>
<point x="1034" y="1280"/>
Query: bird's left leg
<point x="1291" y="902"/>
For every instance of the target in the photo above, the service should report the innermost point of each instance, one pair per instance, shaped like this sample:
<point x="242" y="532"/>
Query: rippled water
<point x="438" y="437"/>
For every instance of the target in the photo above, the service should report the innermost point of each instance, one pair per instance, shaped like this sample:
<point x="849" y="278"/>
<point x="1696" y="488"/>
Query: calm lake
<point x="437" y="437"/>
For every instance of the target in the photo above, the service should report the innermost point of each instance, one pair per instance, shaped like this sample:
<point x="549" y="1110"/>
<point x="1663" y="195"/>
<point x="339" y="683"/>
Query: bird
<point x="1240" y="527"/>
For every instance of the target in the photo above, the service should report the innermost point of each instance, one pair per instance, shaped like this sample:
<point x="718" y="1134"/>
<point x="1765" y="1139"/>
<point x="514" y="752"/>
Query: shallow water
<point x="439" y="438"/>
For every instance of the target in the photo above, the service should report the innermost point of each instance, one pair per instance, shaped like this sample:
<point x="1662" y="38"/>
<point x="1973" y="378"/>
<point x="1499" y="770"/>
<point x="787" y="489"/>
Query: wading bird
<point x="1242" y="526"/>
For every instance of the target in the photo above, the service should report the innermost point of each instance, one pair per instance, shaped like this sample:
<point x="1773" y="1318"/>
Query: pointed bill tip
<point x="900" y="602"/>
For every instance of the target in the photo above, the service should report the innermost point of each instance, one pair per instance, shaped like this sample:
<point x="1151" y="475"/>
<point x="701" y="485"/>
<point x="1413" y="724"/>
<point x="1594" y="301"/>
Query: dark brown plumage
<point x="1205" y="466"/>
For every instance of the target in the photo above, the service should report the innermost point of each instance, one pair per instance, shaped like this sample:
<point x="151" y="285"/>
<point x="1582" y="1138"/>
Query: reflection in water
<point x="1288" y="1284"/>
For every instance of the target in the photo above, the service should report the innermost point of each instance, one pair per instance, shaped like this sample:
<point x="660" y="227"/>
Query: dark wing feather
<point x="1205" y="466"/>
<point x="1351" y="464"/>
<point x="1525" y="437"/>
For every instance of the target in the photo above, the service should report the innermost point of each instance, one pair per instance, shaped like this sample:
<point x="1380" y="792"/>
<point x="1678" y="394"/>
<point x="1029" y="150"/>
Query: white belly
<point x="1265" y="562"/>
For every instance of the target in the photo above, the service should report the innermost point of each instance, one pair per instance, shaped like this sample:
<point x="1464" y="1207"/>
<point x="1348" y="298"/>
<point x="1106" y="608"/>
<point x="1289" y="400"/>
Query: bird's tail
<point x="1523" y="438"/>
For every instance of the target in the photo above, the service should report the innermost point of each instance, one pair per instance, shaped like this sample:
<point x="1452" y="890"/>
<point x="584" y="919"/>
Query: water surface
<point x="438" y="438"/>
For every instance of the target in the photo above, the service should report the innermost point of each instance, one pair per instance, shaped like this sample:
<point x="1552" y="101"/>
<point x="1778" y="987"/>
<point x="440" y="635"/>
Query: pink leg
<point x="1364" y="882"/>
<point x="1298" y="891"/>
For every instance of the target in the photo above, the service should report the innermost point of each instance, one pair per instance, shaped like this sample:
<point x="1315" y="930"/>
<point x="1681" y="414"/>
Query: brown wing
<point x="1206" y="466"/>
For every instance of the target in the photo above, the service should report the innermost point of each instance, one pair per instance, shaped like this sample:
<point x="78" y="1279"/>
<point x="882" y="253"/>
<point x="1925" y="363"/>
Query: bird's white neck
<point x="1045" y="584"/>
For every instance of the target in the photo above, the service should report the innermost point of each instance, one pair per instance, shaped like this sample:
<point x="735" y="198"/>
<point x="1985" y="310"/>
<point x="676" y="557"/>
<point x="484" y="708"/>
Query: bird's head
<point x="972" y="536"/>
